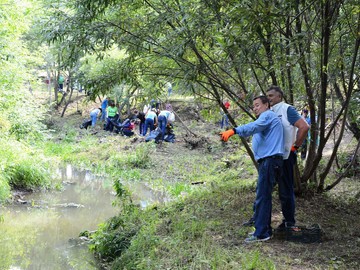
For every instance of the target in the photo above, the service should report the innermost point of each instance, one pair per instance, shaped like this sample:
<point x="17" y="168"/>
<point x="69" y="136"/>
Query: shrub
<point x="4" y="189"/>
<point x="27" y="175"/>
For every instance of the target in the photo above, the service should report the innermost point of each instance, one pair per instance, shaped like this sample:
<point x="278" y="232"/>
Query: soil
<point x="336" y="211"/>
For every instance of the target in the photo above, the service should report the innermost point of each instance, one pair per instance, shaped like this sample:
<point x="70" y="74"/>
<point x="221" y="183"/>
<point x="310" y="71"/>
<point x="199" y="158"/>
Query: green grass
<point x="4" y="188"/>
<point x="190" y="233"/>
<point x="28" y="175"/>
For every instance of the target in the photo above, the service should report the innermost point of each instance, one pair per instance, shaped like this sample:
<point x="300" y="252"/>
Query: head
<point x="305" y="112"/>
<point x="260" y="105"/>
<point x="274" y="94"/>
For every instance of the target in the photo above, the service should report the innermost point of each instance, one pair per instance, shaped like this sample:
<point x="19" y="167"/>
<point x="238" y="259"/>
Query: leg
<point x="93" y="120"/>
<point x="268" y="171"/>
<point x="286" y="191"/>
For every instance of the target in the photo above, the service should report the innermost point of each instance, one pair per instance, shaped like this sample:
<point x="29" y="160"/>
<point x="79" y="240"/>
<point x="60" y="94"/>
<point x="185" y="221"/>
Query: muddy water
<point x="41" y="230"/>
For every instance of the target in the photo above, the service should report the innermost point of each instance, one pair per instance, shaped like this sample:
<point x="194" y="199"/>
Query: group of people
<point x="152" y="117"/>
<point x="148" y="119"/>
<point x="108" y="114"/>
<point x="278" y="132"/>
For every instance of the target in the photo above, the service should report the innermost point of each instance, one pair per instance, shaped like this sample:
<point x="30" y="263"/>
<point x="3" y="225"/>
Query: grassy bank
<point x="210" y="189"/>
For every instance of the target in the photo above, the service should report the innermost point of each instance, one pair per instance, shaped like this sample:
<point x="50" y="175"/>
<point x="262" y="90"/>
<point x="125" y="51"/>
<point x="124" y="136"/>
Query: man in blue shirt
<point x="268" y="147"/>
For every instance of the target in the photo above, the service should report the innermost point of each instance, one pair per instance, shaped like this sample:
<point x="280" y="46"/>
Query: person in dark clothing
<point x="141" y="116"/>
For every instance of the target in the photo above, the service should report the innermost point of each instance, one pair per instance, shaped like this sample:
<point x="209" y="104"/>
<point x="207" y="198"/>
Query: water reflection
<point x="41" y="230"/>
<point x="144" y="195"/>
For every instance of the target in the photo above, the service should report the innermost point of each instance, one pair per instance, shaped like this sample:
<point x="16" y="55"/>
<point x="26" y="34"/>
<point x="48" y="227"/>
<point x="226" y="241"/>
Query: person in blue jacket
<point x="104" y="105"/>
<point x="268" y="148"/>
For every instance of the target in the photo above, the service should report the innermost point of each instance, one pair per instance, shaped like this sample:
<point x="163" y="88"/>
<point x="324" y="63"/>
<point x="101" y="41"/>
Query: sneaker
<point x="253" y="239"/>
<point x="249" y="223"/>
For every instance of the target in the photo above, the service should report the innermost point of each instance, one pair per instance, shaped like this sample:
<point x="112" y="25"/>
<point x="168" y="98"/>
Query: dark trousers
<point x="162" y="121"/>
<point x="270" y="170"/>
<point x="286" y="191"/>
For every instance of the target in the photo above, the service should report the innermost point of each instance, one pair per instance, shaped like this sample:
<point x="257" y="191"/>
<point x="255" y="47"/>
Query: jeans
<point x="162" y="121"/>
<point x="103" y="115"/>
<point x="270" y="170"/>
<point x="109" y="125"/>
<point x="149" y="123"/>
<point x="93" y="117"/>
<point x="141" y="128"/>
<point x="286" y="190"/>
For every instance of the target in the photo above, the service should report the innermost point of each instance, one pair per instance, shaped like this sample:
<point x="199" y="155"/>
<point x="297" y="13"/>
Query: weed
<point x="141" y="157"/>
<point x="4" y="189"/>
<point x="27" y="175"/>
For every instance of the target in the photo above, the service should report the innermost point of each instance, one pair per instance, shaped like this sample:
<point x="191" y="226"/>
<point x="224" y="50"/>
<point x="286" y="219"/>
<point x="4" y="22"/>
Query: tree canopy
<point x="222" y="49"/>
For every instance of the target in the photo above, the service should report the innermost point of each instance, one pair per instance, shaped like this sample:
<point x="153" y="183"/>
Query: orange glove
<point x="294" y="148"/>
<point x="227" y="134"/>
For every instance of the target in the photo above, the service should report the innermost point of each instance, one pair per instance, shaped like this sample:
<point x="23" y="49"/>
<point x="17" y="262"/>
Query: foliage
<point x="27" y="175"/>
<point x="227" y="49"/>
<point x="141" y="157"/>
<point x="4" y="188"/>
<point x="181" y="234"/>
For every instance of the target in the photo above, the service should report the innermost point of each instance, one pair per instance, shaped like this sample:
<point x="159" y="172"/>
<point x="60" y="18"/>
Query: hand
<point x="294" y="148"/>
<point x="226" y="135"/>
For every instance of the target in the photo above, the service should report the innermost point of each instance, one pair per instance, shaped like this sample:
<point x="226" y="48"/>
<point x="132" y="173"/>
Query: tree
<point x="230" y="48"/>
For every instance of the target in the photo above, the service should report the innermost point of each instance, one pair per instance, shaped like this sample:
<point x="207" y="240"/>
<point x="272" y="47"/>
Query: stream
<point x="41" y="230"/>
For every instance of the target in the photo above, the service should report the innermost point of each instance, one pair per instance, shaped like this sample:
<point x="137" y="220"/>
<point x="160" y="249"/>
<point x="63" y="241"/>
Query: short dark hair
<point x="263" y="99"/>
<point x="276" y="89"/>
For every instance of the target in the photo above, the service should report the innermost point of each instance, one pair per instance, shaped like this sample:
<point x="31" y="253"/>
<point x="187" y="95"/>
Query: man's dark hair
<point x="276" y="89"/>
<point x="263" y="99"/>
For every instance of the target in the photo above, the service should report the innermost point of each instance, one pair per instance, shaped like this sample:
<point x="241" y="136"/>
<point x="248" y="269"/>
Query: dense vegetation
<point x="207" y="51"/>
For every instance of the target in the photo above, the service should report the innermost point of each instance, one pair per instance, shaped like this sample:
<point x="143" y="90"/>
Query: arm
<point x="301" y="134"/>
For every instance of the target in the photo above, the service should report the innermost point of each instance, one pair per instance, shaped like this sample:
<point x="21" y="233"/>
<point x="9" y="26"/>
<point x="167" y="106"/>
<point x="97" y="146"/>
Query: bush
<point x="4" y="189"/>
<point x="27" y="175"/>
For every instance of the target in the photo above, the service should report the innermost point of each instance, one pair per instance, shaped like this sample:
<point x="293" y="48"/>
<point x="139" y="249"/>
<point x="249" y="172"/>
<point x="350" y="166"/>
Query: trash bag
<point x="86" y="124"/>
<point x="169" y="138"/>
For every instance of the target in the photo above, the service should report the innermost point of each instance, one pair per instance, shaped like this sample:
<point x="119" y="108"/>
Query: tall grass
<point x="27" y="175"/>
<point x="4" y="188"/>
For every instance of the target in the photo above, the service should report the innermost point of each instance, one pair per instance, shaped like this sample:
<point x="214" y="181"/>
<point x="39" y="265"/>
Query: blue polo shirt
<point x="268" y="135"/>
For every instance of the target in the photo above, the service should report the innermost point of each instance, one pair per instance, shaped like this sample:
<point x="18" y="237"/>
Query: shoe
<point x="253" y="239"/>
<point x="283" y="227"/>
<point x="249" y="223"/>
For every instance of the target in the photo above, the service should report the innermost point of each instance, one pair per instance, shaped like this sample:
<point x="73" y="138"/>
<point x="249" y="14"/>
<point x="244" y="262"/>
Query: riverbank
<point x="210" y="188"/>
